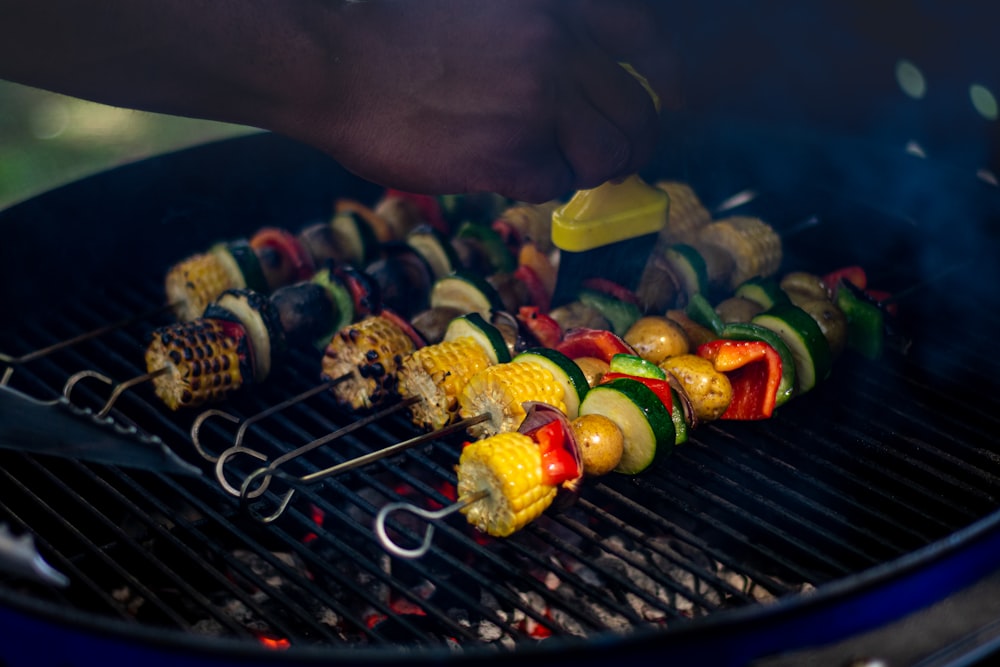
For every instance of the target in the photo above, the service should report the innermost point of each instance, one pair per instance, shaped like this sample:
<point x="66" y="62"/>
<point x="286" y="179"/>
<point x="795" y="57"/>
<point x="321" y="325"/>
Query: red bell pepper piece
<point x="244" y="349"/>
<point x="879" y="296"/>
<point x="754" y="371"/>
<point x="852" y="274"/>
<point x="539" y="296"/>
<point x="660" y="387"/>
<point x="611" y="288"/>
<point x="546" y="330"/>
<point x="426" y="205"/>
<point x="558" y="463"/>
<point x="509" y="233"/>
<point x="404" y="324"/>
<point x="297" y="263"/>
<point x="599" y="343"/>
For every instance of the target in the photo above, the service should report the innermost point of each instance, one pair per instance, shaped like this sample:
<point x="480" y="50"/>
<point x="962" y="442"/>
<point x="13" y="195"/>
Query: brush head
<point x="607" y="232"/>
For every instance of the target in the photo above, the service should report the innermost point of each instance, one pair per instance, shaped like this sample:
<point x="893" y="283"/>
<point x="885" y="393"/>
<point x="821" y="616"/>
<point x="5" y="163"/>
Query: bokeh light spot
<point x="984" y="101"/>
<point x="910" y="79"/>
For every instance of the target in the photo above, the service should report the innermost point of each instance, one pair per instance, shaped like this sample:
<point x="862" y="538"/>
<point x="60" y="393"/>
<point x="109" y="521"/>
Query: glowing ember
<point x="318" y="516"/>
<point x="274" y="643"/>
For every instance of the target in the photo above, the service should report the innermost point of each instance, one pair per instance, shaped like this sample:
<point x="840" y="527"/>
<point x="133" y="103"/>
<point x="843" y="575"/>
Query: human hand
<point x="523" y="97"/>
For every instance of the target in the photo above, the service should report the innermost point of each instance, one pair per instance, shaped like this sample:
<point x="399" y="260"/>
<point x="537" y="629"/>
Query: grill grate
<point x="876" y="462"/>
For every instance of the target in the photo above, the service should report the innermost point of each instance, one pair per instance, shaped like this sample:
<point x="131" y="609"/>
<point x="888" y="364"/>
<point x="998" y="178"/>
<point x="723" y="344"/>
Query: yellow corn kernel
<point x="202" y="362"/>
<point x="509" y="467"/>
<point x="501" y="391"/>
<point x="686" y="214"/>
<point x="436" y="374"/>
<point x="367" y="355"/>
<point x="196" y="282"/>
<point x="753" y="245"/>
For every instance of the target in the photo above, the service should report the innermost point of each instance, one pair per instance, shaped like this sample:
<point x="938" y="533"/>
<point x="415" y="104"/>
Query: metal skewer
<point x="118" y="390"/>
<point x="238" y="448"/>
<point x="12" y="362"/>
<point x="431" y="516"/>
<point x="272" y="470"/>
<point x="241" y="432"/>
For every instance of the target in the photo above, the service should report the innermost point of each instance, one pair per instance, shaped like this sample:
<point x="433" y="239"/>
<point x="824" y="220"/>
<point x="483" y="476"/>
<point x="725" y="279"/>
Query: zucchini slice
<point x="765" y="291"/>
<point x="701" y="311"/>
<point x="247" y="263"/>
<point x="621" y="314"/>
<point x="435" y="249"/>
<point x="466" y="292"/>
<point x="500" y="257"/>
<point x="341" y="298"/>
<point x="233" y="271"/>
<point x="353" y="233"/>
<point x="748" y="331"/>
<point x="805" y="340"/>
<point x="474" y="326"/>
<point x="260" y="319"/>
<point x="645" y="423"/>
<point x="689" y="267"/>
<point x="677" y="416"/>
<point x="564" y="370"/>
<point x="633" y="364"/>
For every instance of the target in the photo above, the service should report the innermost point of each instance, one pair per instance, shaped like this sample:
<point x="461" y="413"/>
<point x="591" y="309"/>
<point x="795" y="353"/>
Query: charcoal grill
<point x="870" y="498"/>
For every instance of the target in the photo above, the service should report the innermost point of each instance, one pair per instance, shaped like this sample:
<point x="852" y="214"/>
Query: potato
<point x="578" y="314"/>
<point x="696" y="333"/>
<point x="433" y="322"/>
<point x="513" y="292"/>
<point x="799" y="283"/>
<point x="738" y="309"/>
<point x="657" y="287"/>
<point x="593" y="369"/>
<point x="799" y="297"/>
<point x="831" y="321"/>
<point x="709" y="390"/>
<point x="656" y="337"/>
<point x="601" y="443"/>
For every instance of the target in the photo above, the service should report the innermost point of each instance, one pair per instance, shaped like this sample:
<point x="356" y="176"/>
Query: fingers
<point x="544" y="109"/>
<point x="636" y="32"/>
<point x="607" y="119"/>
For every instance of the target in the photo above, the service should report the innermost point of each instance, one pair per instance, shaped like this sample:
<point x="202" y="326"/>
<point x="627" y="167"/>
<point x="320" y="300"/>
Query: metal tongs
<point x="59" y="428"/>
<point x="19" y="556"/>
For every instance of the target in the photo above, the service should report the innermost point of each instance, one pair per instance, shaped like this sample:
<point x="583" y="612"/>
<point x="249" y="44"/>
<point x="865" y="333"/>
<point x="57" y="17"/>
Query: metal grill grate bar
<point x="838" y="482"/>
<point x="99" y="552"/>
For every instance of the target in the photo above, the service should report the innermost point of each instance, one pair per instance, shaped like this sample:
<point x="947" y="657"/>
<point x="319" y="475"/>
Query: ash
<point x="567" y="576"/>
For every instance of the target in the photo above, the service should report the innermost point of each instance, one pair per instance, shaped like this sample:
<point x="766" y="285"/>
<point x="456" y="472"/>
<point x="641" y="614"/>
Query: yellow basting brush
<point x="608" y="232"/>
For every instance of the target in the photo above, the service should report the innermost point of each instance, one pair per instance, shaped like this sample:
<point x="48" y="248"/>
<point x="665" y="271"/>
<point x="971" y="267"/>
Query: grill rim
<point x="945" y="567"/>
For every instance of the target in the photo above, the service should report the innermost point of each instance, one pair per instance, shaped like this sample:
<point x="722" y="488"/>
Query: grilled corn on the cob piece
<point x="686" y="215"/>
<point x="501" y="392"/>
<point x="436" y="374"/>
<point x="753" y="245"/>
<point x="369" y="353"/>
<point x="509" y="467"/>
<point x="206" y="361"/>
<point x="194" y="283"/>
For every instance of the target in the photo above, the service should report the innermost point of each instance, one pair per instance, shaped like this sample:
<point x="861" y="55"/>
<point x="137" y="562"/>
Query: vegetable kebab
<point x="243" y="334"/>
<point x="236" y="338"/>
<point x="640" y="405"/>
<point x="355" y="234"/>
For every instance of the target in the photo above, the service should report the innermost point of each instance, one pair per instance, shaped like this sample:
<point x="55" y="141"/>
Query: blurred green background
<point x="47" y="140"/>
